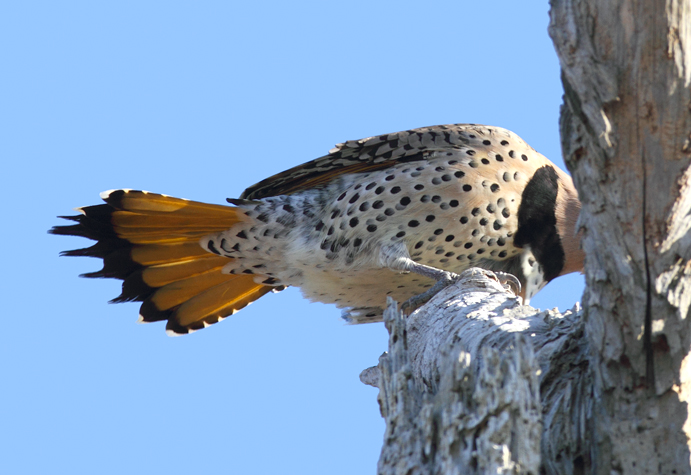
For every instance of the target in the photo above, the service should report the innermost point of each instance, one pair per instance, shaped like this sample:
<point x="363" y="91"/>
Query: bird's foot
<point x="448" y="278"/>
<point x="509" y="280"/>
<point x="415" y="302"/>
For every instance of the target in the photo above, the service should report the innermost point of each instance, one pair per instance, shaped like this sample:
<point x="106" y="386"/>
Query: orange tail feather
<point x="151" y="242"/>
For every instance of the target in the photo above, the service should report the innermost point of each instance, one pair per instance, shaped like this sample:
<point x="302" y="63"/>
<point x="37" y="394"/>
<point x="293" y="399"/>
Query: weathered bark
<point x="466" y="379"/>
<point x="625" y="127"/>
<point x="476" y="383"/>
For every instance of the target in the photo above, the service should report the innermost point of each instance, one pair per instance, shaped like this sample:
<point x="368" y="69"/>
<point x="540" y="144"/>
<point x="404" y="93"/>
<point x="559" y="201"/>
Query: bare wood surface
<point x="625" y="125"/>
<point x="466" y="379"/>
<point x="476" y="383"/>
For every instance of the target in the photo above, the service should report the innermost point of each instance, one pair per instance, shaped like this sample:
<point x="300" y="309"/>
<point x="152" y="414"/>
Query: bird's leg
<point x="396" y="258"/>
<point x="444" y="280"/>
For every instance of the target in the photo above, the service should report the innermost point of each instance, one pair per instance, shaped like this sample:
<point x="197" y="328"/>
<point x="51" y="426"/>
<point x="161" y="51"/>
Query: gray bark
<point x="476" y="383"/>
<point x="625" y="127"/>
<point x="466" y="379"/>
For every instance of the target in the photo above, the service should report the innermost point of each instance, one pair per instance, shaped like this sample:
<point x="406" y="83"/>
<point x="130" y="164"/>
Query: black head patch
<point x="537" y="222"/>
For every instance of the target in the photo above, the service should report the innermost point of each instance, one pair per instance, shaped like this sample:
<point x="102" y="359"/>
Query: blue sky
<point x="200" y="100"/>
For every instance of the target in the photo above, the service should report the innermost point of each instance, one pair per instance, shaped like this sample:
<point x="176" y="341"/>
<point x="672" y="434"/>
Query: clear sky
<point x="200" y="100"/>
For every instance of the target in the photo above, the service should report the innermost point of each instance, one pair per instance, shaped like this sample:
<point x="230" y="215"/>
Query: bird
<point x="396" y="215"/>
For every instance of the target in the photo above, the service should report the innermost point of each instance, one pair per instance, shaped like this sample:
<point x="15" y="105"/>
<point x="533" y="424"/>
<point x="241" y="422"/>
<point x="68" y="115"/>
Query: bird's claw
<point x="509" y="280"/>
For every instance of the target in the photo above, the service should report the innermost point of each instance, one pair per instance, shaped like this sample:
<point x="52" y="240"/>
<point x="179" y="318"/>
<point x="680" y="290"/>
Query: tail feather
<point x="152" y="204"/>
<point x="151" y="242"/>
<point x="150" y="255"/>
<point x="163" y="274"/>
<point x="176" y="293"/>
<point x="223" y="299"/>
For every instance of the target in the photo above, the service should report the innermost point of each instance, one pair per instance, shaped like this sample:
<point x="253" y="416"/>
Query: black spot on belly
<point x="537" y="223"/>
<point x="211" y="247"/>
<point x="287" y="220"/>
<point x="224" y="243"/>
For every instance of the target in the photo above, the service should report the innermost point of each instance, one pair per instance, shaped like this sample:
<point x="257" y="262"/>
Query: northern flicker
<point x="385" y="215"/>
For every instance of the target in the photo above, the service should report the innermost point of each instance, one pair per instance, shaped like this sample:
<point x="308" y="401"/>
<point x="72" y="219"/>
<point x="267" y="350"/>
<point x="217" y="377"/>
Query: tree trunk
<point x="466" y="379"/>
<point x="625" y="127"/>
<point x="476" y="383"/>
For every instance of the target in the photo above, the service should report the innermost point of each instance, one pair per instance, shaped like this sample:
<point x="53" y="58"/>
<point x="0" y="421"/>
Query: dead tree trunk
<point x="476" y="383"/>
<point x="465" y="382"/>
<point x="625" y="127"/>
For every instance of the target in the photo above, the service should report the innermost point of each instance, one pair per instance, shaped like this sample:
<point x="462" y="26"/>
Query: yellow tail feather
<point x="153" y="254"/>
<point x="151" y="242"/>
<point x="179" y="292"/>
<point x="148" y="203"/>
<point x="163" y="274"/>
<point x="219" y="301"/>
